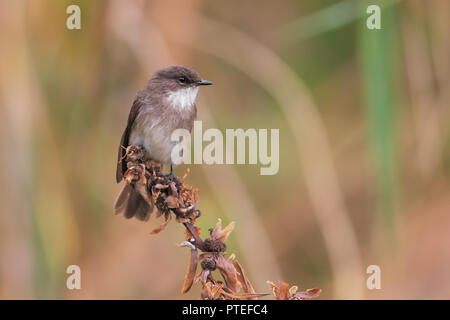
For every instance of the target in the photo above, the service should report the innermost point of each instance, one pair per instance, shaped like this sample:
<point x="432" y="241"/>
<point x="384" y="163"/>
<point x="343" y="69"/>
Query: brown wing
<point x="122" y="165"/>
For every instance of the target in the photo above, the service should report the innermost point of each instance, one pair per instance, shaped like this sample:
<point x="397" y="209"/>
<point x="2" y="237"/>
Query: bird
<point x="166" y="103"/>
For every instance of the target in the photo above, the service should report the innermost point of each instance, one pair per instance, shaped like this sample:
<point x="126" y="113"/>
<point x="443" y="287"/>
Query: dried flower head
<point x="168" y="195"/>
<point x="173" y="196"/>
<point x="282" y="291"/>
<point x="235" y="284"/>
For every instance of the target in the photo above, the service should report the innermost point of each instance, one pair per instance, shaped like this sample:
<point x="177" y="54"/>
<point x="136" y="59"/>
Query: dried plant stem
<point x="171" y="196"/>
<point x="191" y="229"/>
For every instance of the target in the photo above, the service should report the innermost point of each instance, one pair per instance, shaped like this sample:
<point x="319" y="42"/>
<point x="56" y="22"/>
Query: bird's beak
<point x="204" y="83"/>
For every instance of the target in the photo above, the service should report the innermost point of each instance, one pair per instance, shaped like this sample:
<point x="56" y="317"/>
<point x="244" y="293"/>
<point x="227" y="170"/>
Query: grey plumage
<point x="166" y="103"/>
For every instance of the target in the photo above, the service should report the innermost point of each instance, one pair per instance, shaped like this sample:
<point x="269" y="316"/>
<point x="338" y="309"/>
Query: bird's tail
<point x="132" y="204"/>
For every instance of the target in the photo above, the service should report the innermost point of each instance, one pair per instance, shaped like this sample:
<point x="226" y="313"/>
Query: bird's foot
<point x="170" y="175"/>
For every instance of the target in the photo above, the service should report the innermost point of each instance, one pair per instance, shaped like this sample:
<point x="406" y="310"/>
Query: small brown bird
<point x="166" y="103"/>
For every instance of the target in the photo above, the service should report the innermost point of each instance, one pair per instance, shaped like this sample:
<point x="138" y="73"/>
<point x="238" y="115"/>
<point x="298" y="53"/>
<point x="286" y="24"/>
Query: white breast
<point x="183" y="98"/>
<point x="154" y="136"/>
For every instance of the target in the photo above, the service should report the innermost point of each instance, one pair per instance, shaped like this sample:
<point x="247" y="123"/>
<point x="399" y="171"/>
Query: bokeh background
<point x="364" y="144"/>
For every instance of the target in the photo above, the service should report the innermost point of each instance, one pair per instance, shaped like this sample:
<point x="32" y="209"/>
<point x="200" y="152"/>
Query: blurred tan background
<point x="364" y="144"/>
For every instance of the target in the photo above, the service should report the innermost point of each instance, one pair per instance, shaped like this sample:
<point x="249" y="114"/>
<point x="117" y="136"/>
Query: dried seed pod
<point x="208" y="264"/>
<point x="211" y="245"/>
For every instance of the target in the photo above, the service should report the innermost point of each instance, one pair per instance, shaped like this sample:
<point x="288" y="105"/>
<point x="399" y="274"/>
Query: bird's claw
<point x="170" y="175"/>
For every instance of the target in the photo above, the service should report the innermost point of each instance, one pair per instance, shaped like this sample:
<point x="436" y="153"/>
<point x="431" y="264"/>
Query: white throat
<point x="183" y="98"/>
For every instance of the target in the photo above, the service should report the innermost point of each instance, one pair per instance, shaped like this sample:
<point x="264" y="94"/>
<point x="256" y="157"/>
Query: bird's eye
<point x="182" y="80"/>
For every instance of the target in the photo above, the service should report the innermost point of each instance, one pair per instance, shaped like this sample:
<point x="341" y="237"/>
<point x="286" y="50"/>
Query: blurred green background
<point x="364" y="144"/>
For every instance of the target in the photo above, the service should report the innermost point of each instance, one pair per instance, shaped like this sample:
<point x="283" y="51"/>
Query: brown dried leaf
<point x="133" y="173"/>
<point x="173" y="189"/>
<point x="157" y="230"/>
<point x="207" y="289"/>
<point x="133" y="153"/>
<point x="246" y="285"/>
<point x="185" y="174"/>
<point x="280" y="290"/>
<point x="155" y="194"/>
<point x="204" y="275"/>
<point x="191" y="270"/>
<point x="228" y="272"/>
<point x="160" y="186"/>
<point x="172" y="202"/>
<point x="216" y="290"/>
<point x="224" y="234"/>
<point x="216" y="229"/>
<point x="243" y="296"/>
<point x="307" y="295"/>
<point x="189" y="194"/>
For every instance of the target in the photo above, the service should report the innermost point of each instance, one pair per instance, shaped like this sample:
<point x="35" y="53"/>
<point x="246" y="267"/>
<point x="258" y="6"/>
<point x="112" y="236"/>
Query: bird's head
<point x="178" y="84"/>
